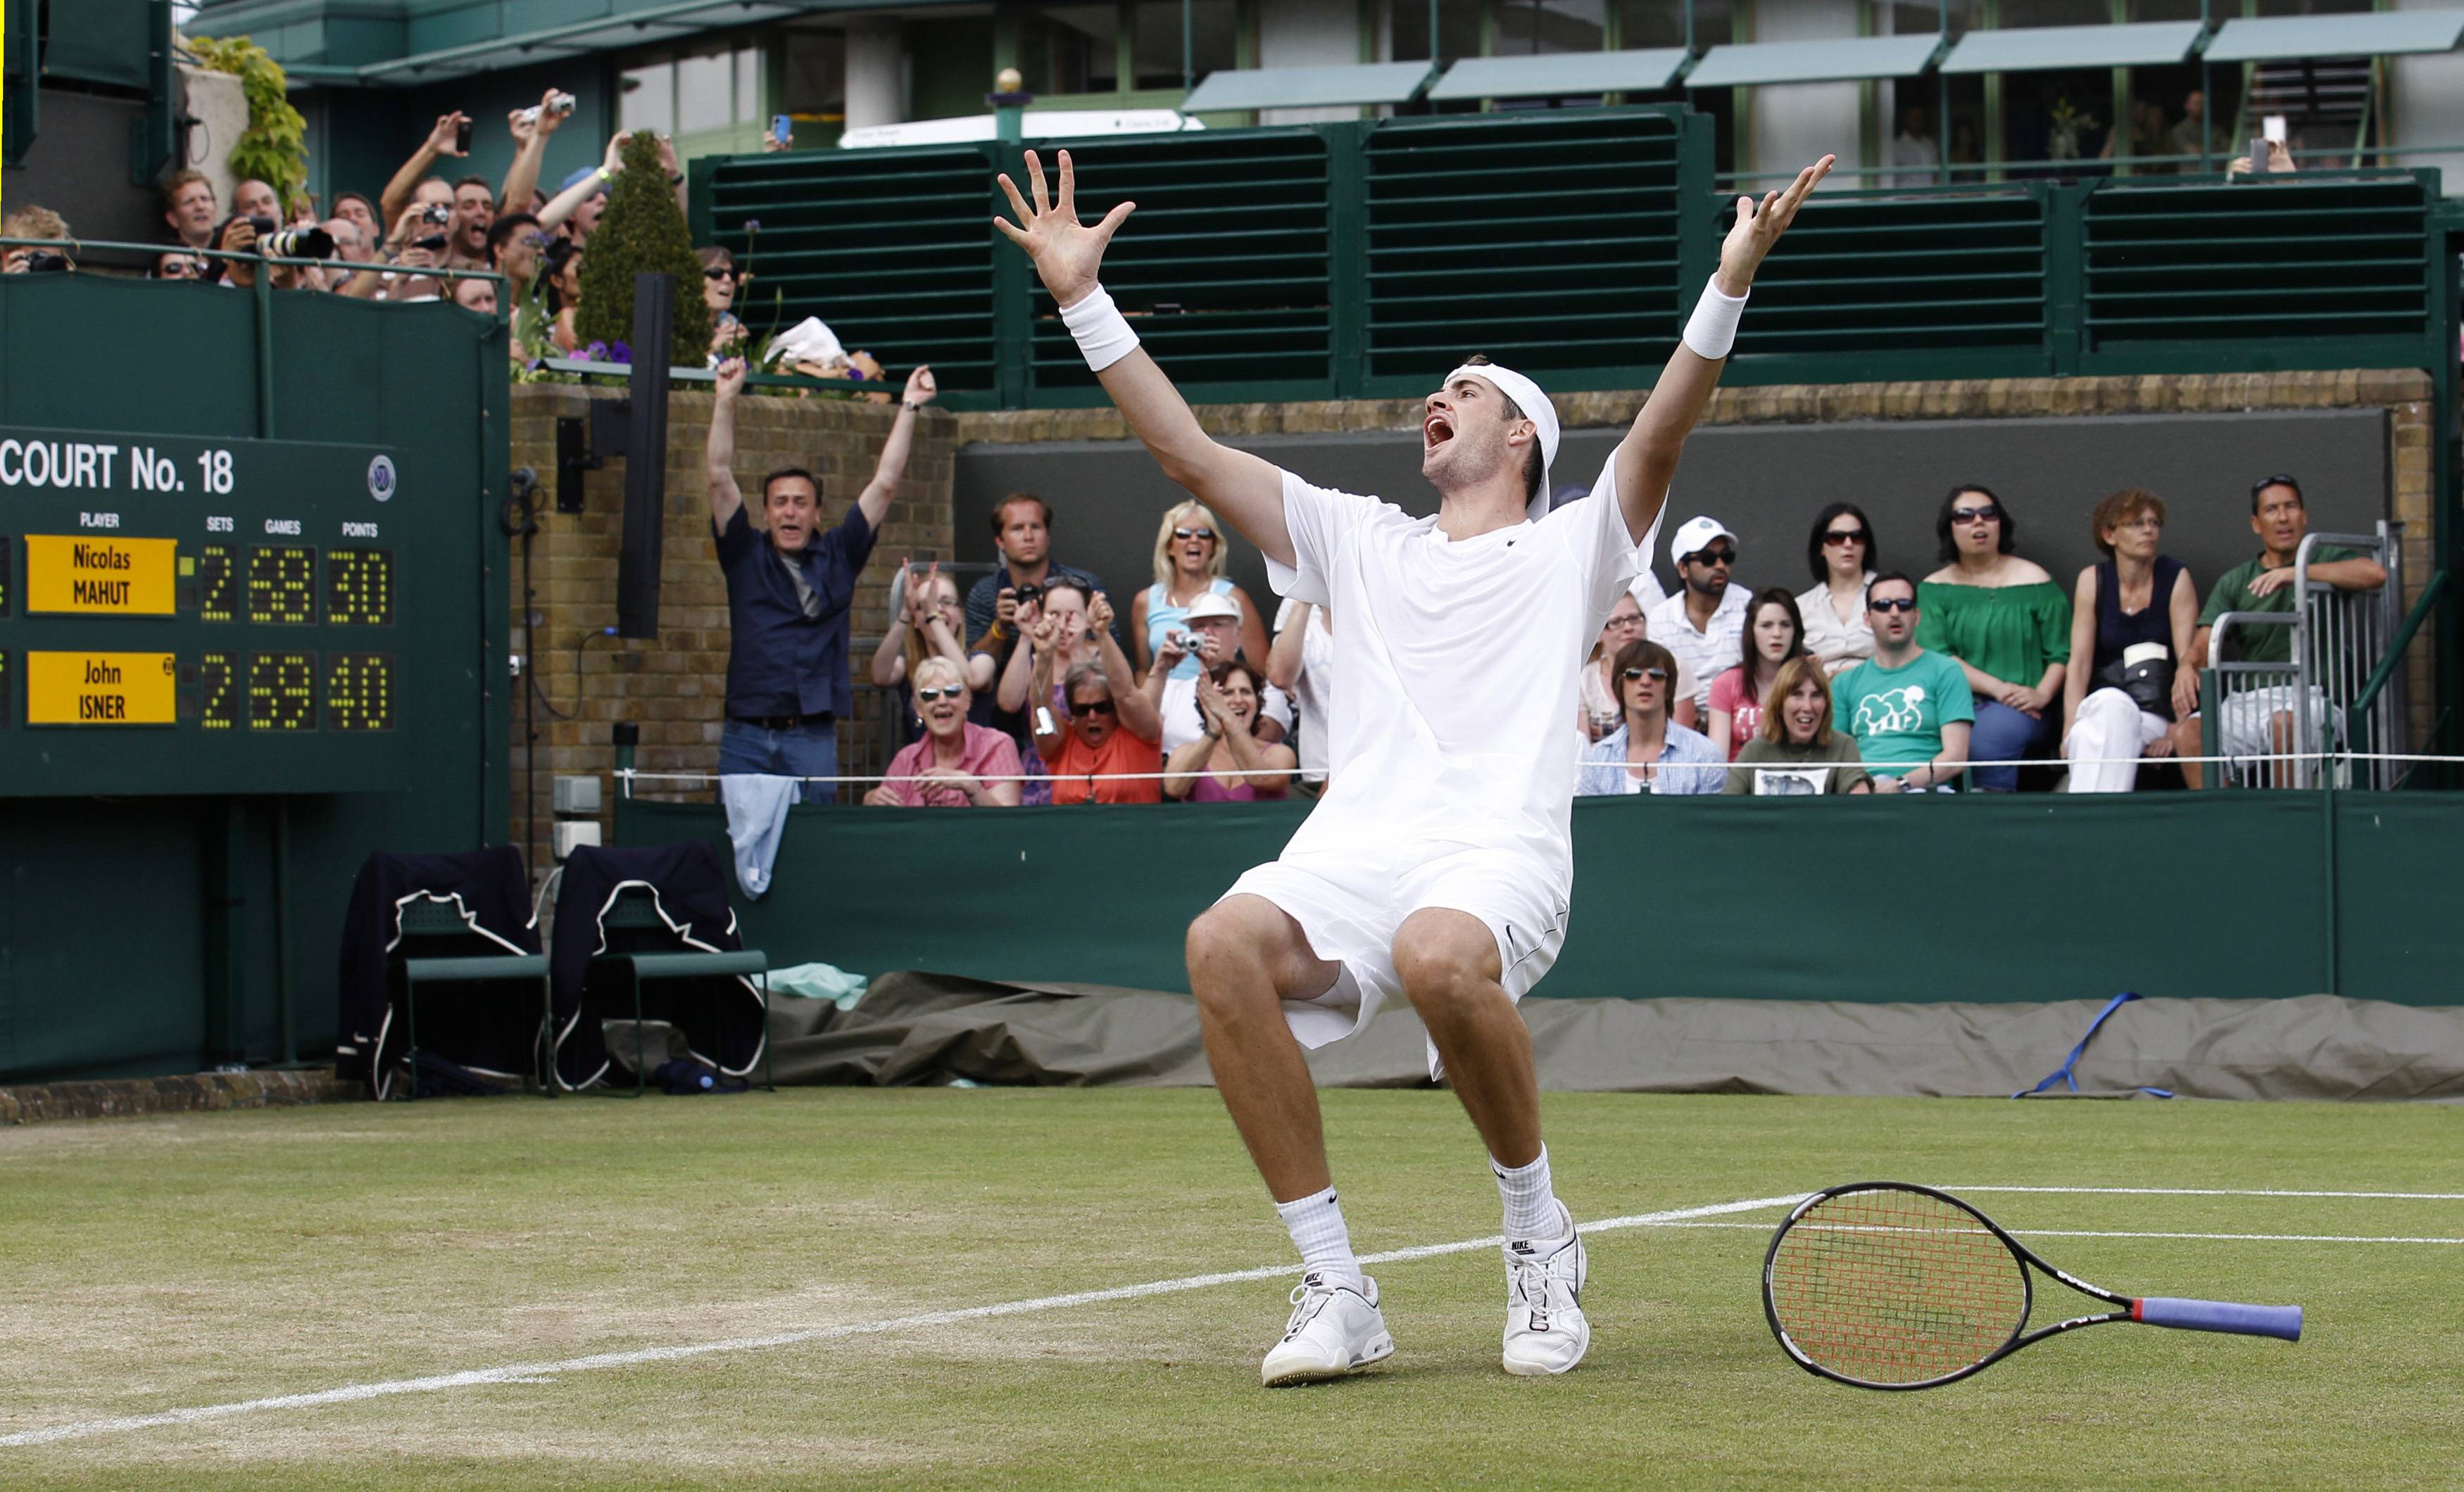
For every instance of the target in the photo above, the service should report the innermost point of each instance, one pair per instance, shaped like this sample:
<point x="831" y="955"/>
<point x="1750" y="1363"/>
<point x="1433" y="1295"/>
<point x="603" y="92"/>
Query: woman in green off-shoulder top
<point x="2007" y="626"/>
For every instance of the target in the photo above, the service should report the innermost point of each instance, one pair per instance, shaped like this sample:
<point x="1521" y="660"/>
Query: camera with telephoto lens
<point x="275" y="241"/>
<point x="557" y="104"/>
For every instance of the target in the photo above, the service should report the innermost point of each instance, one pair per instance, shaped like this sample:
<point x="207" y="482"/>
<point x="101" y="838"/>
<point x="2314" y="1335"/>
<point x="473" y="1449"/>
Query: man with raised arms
<point x="1438" y="864"/>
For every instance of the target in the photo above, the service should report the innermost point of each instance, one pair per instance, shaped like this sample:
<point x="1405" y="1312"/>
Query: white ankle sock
<point x="1316" y="1224"/>
<point x="1530" y="1201"/>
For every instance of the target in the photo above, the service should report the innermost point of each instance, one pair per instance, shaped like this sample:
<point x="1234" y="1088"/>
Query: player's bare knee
<point x="1446" y="970"/>
<point x="1229" y="967"/>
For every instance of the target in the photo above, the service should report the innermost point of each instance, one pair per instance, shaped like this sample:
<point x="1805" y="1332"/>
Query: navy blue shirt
<point x="780" y="662"/>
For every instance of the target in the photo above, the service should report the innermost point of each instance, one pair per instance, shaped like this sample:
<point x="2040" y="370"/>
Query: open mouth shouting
<point x="1435" y="430"/>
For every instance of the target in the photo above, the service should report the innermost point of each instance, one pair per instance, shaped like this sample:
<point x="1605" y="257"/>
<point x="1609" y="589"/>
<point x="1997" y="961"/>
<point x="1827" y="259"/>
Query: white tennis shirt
<point x="1455" y="669"/>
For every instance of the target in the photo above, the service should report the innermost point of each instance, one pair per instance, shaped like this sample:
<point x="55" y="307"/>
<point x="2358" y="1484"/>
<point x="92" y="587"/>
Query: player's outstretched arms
<point x="1646" y="459"/>
<point x="1246" y="491"/>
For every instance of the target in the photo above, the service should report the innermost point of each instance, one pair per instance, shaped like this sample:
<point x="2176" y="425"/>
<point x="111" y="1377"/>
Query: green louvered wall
<point x="1362" y="259"/>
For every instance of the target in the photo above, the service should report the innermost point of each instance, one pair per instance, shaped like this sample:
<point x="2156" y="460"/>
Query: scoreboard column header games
<point x="209" y="616"/>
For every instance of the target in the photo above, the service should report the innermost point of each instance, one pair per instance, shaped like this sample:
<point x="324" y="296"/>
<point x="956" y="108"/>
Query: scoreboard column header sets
<point x="185" y="615"/>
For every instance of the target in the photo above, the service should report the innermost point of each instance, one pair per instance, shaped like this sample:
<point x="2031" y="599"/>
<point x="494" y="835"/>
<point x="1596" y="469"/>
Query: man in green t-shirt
<point x="2262" y="720"/>
<point x="1909" y="709"/>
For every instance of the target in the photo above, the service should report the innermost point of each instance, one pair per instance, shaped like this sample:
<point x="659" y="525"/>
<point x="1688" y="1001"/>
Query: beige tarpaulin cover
<point x="922" y="1028"/>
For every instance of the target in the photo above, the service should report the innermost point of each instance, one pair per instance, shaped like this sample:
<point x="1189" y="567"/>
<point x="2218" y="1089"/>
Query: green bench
<point x="637" y="909"/>
<point x="441" y="917"/>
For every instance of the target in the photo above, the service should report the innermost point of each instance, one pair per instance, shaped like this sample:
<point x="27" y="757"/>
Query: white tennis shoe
<point x="1334" y="1329"/>
<point x="1546" y="1332"/>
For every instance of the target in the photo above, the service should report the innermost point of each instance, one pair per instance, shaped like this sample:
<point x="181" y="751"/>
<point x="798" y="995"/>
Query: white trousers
<point x="2106" y="741"/>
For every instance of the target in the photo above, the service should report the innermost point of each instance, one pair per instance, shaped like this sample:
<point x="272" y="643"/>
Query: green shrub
<point x="642" y="230"/>
<point x="274" y="148"/>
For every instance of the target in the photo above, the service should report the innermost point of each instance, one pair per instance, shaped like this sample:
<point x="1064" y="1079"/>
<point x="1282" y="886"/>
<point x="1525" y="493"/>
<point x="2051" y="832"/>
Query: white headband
<point x="1535" y="408"/>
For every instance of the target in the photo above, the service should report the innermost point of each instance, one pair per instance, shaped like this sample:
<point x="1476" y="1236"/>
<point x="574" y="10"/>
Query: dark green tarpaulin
<point x="2032" y="897"/>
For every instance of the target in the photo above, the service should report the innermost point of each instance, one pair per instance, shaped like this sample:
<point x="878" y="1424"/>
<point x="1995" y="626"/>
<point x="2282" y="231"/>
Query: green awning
<point x="1309" y="87"/>
<point x="1832" y="59"/>
<point x="1561" y="74"/>
<point x="2047" y="49"/>
<point x="2373" y="33"/>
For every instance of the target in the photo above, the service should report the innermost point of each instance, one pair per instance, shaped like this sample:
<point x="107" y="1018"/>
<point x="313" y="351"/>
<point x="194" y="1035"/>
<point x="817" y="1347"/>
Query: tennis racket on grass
<point x="1885" y="1285"/>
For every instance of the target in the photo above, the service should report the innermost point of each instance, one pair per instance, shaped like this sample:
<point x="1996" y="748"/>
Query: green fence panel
<point x="1861" y="273"/>
<point x="1223" y="269"/>
<point x="2024" y="898"/>
<point x="1549" y="242"/>
<point x="892" y="248"/>
<point x="99" y="41"/>
<point x="2257" y="267"/>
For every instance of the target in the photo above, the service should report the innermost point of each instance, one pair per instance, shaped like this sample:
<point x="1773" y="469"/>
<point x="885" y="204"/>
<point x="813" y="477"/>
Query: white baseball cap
<point x="1213" y="604"/>
<point x="1694" y="536"/>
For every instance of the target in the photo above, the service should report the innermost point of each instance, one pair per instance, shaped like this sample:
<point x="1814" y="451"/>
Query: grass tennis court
<point x="152" y="1265"/>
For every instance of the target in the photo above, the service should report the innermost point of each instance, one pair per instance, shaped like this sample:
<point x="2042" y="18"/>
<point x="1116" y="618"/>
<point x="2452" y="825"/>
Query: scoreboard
<point x="206" y="616"/>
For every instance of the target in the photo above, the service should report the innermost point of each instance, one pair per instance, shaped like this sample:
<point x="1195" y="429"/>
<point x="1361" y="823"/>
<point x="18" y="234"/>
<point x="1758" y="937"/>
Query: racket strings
<point x="1895" y="1287"/>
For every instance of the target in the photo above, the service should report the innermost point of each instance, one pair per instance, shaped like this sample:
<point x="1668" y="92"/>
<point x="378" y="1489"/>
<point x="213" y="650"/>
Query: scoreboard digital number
<point x="201" y="616"/>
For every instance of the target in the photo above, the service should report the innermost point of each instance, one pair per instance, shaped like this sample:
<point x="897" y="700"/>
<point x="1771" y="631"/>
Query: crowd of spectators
<point x="1871" y="681"/>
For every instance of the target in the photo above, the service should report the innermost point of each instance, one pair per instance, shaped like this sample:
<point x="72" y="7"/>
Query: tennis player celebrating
<point x="1438" y="865"/>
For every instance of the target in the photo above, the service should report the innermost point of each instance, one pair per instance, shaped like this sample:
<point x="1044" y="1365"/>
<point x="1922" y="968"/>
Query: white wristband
<point x="1713" y="329"/>
<point x="1103" y="332"/>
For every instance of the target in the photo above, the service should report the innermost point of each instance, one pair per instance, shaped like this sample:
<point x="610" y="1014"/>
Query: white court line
<point x="2187" y="1191"/>
<point x="2087" y="1233"/>
<point x="516" y="1373"/>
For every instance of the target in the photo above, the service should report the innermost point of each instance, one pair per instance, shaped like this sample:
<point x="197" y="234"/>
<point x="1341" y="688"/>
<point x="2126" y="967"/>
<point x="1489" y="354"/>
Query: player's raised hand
<point x="1759" y="225"/>
<point x="1067" y="252"/>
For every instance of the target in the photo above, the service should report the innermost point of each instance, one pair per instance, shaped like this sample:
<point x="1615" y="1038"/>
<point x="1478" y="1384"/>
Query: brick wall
<point x="673" y="686"/>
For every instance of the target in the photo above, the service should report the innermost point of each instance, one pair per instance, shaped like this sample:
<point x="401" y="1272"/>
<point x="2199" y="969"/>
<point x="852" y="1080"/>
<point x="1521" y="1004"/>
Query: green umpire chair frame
<point x="636" y="908"/>
<point x="431" y="917"/>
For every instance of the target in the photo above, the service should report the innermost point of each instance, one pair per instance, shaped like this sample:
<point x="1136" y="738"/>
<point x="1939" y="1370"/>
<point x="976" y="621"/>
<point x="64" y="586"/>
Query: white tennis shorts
<point x="1350" y="906"/>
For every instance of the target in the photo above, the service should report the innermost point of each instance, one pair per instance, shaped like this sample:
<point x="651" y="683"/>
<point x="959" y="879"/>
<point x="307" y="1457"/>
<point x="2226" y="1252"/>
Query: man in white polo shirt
<point x="1705" y="622"/>
<point x="1439" y="865"/>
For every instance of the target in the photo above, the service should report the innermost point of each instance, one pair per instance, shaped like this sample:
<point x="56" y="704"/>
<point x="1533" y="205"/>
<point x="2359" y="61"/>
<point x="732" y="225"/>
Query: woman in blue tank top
<point x="1189" y="560"/>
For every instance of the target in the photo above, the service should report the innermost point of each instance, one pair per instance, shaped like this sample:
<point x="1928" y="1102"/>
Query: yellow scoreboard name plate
<point x="102" y="689"/>
<point x="112" y="577"/>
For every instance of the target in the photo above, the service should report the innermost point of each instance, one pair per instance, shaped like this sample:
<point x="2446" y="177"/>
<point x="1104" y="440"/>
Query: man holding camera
<point x="789" y="588"/>
<point x="1214" y="637"/>
<point x="1003" y="605"/>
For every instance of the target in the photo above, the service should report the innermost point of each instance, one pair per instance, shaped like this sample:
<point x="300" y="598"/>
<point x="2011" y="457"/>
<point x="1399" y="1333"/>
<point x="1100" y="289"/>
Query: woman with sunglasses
<point x="955" y="763"/>
<point x="720" y="282"/>
<point x="1649" y="752"/>
<point x="1772" y="636"/>
<point x="1597" y="714"/>
<point x="1843" y="556"/>
<point x="1227" y="703"/>
<point x="2005" y="622"/>
<point x="1189" y="560"/>
<point x="1796" y="752"/>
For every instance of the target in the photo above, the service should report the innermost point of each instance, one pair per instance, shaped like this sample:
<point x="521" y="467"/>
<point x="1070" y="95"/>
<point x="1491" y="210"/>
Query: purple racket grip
<point x="2267" y="1321"/>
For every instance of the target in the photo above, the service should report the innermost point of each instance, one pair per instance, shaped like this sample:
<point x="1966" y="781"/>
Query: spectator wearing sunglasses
<point x="1104" y="751"/>
<point x="955" y="763"/>
<point x="1214" y="637"/>
<point x="1908" y="711"/>
<point x="1701" y="625"/>
<point x="720" y="285"/>
<point x="1648" y="752"/>
<point x="1772" y="636"/>
<point x="1227" y="762"/>
<point x="2005" y="622"/>
<point x="516" y="242"/>
<point x="1843" y="554"/>
<point x="1189" y="560"/>
<point x="1797" y="751"/>
<point x="1598" y="712"/>
<point x="173" y="265"/>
